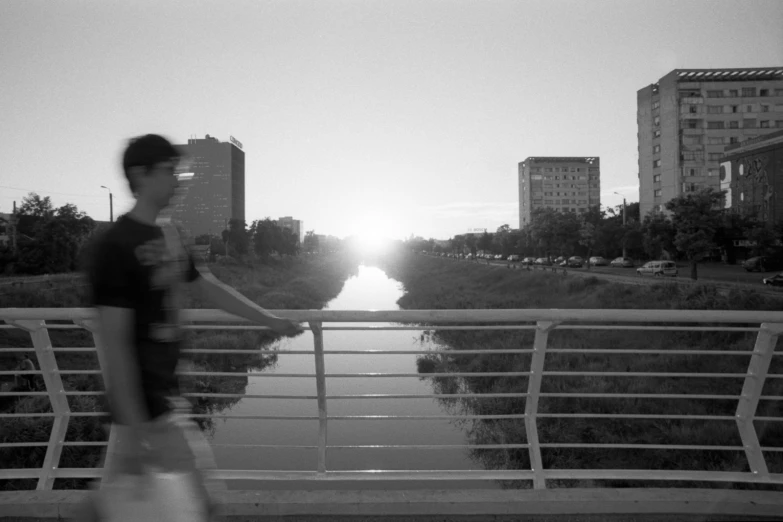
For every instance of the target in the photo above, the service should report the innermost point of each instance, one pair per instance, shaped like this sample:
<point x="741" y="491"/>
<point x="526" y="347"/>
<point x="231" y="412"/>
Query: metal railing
<point x="766" y="325"/>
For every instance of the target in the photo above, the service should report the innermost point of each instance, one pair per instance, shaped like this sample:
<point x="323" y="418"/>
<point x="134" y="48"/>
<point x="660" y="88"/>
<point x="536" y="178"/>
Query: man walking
<point x="137" y="277"/>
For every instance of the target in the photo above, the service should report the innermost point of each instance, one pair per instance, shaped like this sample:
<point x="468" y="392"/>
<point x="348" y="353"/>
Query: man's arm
<point x="225" y="297"/>
<point x="122" y="371"/>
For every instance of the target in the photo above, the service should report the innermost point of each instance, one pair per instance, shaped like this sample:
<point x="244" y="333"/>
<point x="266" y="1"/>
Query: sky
<point x="388" y="118"/>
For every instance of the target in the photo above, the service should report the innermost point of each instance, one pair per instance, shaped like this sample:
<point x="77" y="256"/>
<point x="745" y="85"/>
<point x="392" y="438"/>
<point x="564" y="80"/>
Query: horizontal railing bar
<point x="641" y="446"/>
<point x="365" y="475"/>
<point x="434" y="327"/>
<point x="254" y="417"/>
<point x="359" y="352"/>
<point x="431" y="446"/>
<point x="21" y="372"/>
<point x="450" y="374"/>
<point x="635" y="416"/>
<point x="424" y="417"/>
<point x="427" y="396"/>
<point x="23" y="444"/>
<point x="768" y="419"/>
<point x="639" y="396"/>
<point x="247" y="396"/>
<point x="587" y="351"/>
<point x="69" y="393"/>
<point x="649" y="374"/>
<point x="657" y="474"/>
<point x="76" y="349"/>
<point x="661" y="328"/>
<point x="439" y="316"/>
<point x="19" y="394"/>
<point x="23" y="415"/>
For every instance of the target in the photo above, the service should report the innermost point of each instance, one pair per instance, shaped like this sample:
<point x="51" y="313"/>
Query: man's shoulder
<point x="126" y="233"/>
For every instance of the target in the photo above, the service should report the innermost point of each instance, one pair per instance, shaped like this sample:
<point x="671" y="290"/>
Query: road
<point x="723" y="276"/>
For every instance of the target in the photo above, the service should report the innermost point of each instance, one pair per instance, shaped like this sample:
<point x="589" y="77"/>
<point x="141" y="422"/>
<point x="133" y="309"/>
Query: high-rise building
<point x="570" y="184"/>
<point x="216" y="192"/>
<point x="751" y="174"/>
<point x="687" y="118"/>
<point x="294" y="225"/>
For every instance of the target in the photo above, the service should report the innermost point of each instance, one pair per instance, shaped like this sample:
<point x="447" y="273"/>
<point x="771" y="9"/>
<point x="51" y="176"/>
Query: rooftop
<point x="722" y="75"/>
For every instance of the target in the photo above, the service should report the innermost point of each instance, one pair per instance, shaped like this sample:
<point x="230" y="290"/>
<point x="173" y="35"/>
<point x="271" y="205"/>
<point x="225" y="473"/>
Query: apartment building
<point x="566" y="184"/>
<point x="751" y="174"/>
<point x="294" y="225"/>
<point x="216" y="191"/>
<point x="689" y="116"/>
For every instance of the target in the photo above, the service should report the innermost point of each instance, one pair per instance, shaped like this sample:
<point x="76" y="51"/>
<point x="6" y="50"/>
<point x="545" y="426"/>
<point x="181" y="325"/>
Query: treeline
<point x="49" y="240"/>
<point x="53" y="240"/>
<point x="697" y="228"/>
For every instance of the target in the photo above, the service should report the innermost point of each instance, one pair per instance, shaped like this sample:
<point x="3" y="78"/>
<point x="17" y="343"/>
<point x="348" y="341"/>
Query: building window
<point x="712" y="172"/>
<point x="733" y="93"/>
<point x="765" y="108"/>
<point x="657" y="134"/>
<point x="691" y="140"/>
<point x="714" y="156"/>
<point x="733" y="139"/>
<point x="734" y="125"/>
<point x="657" y="178"/>
<point x="535" y="177"/>
<point x="714" y="109"/>
<point x="656" y="149"/>
<point x="657" y="121"/>
<point x="748" y="91"/>
<point x="718" y="140"/>
<point x="714" y="94"/>
<point x="764" y="124"/>
<point x="778" y="92"/>
<point x="779" y="124"/>
<point x="764" y="92"/>
<point x="657" y="163"/>
<point x="693" y="109"/>
<point x="715" y="125"/>
<point x="657" y="193"/>
<point x="735" y="108"/>
<point x="748" y="124"/>
<point x="749" y="108"/>
<point x="656" y="105"/>
<point x="691" y="124"/>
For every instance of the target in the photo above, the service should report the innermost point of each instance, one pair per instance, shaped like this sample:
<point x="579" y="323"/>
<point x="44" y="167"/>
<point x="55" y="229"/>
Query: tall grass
<point x="306" y="283"/>
<point x="437" y="284"/>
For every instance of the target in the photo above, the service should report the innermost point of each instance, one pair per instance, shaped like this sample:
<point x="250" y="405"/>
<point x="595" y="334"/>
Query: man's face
<point x="159" y="183"/>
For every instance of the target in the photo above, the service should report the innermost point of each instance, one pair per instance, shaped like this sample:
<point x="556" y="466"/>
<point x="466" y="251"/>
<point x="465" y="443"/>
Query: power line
<point x="50" y="192"/>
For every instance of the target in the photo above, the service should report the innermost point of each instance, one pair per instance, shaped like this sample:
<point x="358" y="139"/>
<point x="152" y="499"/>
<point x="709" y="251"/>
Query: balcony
<point x="765" y="327"/>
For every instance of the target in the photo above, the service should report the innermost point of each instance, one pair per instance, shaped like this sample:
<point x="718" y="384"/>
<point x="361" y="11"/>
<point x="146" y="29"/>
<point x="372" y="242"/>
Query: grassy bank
<point x="432" y="283"/>
<point x="288" y="284"/>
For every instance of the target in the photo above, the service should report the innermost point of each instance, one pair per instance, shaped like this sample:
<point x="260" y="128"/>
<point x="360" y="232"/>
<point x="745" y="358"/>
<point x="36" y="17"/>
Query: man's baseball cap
<point x="147" y="150"/>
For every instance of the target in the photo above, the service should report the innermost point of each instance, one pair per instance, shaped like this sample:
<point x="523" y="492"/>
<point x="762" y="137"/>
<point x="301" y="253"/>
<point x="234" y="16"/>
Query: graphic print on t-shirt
<point x="168" y="261"/>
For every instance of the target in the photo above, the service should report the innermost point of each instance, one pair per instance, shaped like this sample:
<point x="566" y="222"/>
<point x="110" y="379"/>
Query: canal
<point x="233" y="440"/>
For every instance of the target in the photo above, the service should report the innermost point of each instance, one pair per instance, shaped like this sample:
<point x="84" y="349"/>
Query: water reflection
<point x="233" y="439"/>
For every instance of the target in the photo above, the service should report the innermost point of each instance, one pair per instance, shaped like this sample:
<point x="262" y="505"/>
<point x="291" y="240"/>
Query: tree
<point x="763" y="237"/>
<point x="485" y="242"/>
<point x="696" y="218"/>
<point x="238" y="237"/>
<point x="310" y="243"/>
<point x="587" y="238"/>
<point x="35" y="205"/>
<point x="657" y="234"/>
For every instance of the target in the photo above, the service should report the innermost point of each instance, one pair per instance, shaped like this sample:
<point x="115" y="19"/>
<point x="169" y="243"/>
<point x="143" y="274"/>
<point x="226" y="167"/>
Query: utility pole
<point x="111" y="204"/>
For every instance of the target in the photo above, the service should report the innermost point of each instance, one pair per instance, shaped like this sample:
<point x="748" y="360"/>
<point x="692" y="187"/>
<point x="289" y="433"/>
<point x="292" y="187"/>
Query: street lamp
<point x="624" y="213"/>
<point x="111" y="204"/>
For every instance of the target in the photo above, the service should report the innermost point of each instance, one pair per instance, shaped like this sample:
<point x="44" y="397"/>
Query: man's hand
<point x="286" y="327"/>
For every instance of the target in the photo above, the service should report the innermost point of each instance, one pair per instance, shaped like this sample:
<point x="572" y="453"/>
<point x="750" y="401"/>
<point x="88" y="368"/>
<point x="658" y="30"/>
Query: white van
<point x="658" y="268"/>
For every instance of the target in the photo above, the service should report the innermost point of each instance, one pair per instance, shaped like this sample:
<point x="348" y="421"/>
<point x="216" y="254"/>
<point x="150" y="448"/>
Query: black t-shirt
<point x="142" y="267"/>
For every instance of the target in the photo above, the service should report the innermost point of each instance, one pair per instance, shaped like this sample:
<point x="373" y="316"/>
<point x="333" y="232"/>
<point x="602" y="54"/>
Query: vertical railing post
<point x="91" y="325"/>
<point x="54" y="387"/>
<point x="751" y="392"/>
<point x="320" y="385"/>
<point x="531" y="404"/>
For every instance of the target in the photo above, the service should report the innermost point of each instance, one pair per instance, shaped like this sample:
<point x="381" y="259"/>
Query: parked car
<point x="528" y="261"/>
<point x="543" y="261"/>
<point x="513" y="258"/>
<point x="560" y="259"/>
<point x="598" y="261"/>
<point x="762" y="264"/>
<point x="658" y="268"/>
<point x="775" y="280"/>
<point x="623" y="262"/>
<point x="574" y="262"/>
